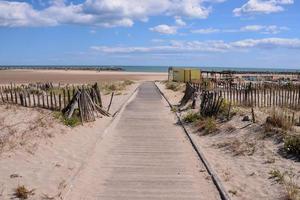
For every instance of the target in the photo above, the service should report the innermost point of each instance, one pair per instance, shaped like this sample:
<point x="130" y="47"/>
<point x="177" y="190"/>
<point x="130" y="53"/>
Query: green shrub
<point x="224" y="107"/>
<point x="191" y="117"/>
<point x="174" y="86"/>
<point x="292" y="145"/>
<point x="210" y="126"/>
<point x="174" y="109"/>
<point x="72" y="122"/>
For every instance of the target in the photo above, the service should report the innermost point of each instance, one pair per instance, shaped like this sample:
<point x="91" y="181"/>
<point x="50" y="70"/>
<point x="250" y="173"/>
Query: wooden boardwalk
<point x="144" y="156"/>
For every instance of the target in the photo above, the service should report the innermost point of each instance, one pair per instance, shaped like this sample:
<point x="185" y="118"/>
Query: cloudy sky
<point x="225" y="33"/>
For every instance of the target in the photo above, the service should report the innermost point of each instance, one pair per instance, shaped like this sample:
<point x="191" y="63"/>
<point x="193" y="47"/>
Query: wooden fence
<point x="256" y="94"/>
<point x="38" y="95"/>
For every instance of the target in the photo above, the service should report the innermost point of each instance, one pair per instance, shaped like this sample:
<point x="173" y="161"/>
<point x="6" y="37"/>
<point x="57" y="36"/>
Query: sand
<point x="43" y="154"/>
<point x="74" y="76"/>
<point x="241" y="158"/>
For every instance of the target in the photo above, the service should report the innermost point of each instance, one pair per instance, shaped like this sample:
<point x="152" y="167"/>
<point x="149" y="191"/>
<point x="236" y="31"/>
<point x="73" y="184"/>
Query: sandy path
<point x="144" y="156"/>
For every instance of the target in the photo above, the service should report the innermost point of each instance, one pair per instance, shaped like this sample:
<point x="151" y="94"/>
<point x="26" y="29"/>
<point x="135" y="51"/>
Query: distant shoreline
<point x="163" y="69"/>
<point x="40" y="67"/>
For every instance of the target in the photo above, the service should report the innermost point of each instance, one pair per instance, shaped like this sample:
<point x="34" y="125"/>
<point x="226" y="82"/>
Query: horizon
<point x="145" y="66"/>
<point x="252" y="34"/>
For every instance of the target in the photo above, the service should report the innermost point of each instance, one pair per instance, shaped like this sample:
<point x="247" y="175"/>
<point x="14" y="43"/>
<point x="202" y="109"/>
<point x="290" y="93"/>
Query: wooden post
<point x="270" y="96"/>
<point x="16" y="97"/>
<point x="228" y="113"/>
<point x="298" y="97"/>
<point x="21" y="99"/>
<point x="38" y="100"/>
<point x="3" y="100"/>
<point x="59" y="99"/>
<point x="25" y="99"/>
<point x="264" y="104"/>
<point x="64" y="97"/>
<point x="47" y="100"/>
<point x="34" y="103"/>
<point x="293" y="98"/>
<point x="51" y="100"/>
<point x="285" y="98"/>
<point x="258" y="96"/>
<point x="7" y="100"/>
<point x="111" y="98"/>
<point x="29" y="100"/>
<point x="11" y="95"/>
<point x="253" y="115"/>
<point x="55" y="101"/>
<point x="69" y="96"/>
<point x="43" y="99"/>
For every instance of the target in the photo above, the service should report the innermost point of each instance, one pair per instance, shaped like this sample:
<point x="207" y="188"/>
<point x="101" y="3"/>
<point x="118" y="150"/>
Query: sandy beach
<point x="74" y="76"/>
<point x="39" y="152"/>
<point x="34" y="143"/>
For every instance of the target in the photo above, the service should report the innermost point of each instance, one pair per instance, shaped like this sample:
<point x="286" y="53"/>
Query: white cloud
<point x="272" y="29"/>
<point x="206" y="31"/>
<point x="179" y="21"/>
<point x="108" y="13"/>
<point x="265" y="29"/>
<point x="22" y="14"/>
<point x="205" y="46"/>
<point x="164" y="29"/>
<point x="268" y="43"/>
<point x="262" y="6"/>
<point x="189" y="8"/>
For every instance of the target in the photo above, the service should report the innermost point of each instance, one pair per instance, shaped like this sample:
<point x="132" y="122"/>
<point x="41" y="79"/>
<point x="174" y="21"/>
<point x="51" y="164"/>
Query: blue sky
<point x="224" y="33"/>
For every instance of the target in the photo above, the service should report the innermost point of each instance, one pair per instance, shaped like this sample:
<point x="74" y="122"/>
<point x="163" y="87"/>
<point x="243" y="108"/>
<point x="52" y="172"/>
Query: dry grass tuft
<point x="279" y="121"/>
<point x="206" y="125"/>
<point x="238" y="148"/>
<point x="286" y="179"/>
<point x="230" y="128"/>
<point x="116" y="86"/>
<point x="291" y="189"/>
<point x="277" y="176"/>
<point x="174" y="86"/>
<point x="22" y="192"/>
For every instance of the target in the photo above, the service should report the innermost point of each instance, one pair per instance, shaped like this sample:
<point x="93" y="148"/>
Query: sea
<point x="150" y="68"/>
